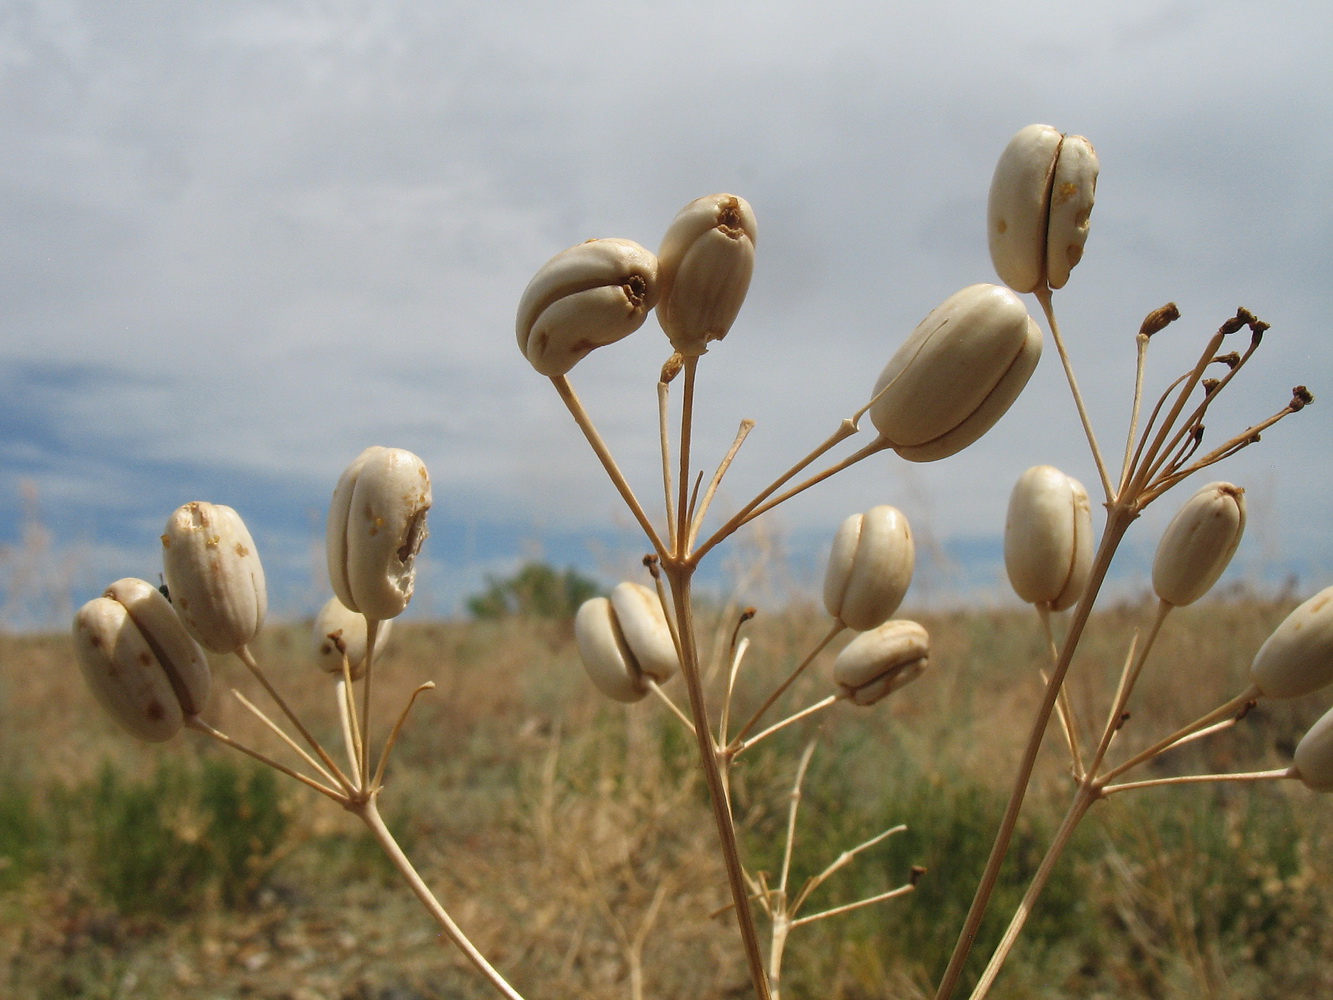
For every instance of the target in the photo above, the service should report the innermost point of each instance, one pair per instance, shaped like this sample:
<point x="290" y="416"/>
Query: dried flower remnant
<point x="957" y="374"/>
<point x="870" y="567"/>
<point x="583" y="298"/>
<point x="882" y="660"/>
<point x="214" y="575"/>
<point x="1297" y="659"/>
<point x="1048" y="539"/>
<point x="625" y="641"/>
<point x="1199" y="543"/>
<point x="1040" y="205"/>
<point x="340" y="632"/>
<point x="376" y="526"/>
<point x="704" y="267"/>
<point x="140" y="663"/>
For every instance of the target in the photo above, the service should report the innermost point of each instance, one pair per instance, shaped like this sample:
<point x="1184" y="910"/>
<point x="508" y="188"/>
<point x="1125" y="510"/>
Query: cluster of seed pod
<point x="142" y="654"/>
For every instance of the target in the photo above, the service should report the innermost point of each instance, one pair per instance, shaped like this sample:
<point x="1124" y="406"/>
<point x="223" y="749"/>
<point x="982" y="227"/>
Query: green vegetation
<point x="535" y="591"/>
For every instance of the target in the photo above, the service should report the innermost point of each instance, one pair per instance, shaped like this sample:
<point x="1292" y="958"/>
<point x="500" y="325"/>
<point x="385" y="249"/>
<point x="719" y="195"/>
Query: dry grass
<point x="570" y="836"/>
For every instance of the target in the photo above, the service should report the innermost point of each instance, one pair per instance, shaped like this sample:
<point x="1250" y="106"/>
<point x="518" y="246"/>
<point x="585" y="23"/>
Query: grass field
<point x="570" y="837"/>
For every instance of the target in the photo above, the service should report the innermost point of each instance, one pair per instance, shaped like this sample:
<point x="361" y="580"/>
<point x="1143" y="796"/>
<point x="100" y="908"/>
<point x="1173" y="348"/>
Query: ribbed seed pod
<point x="870" y="567"/>
<point x="882" y="660"/>
<point x="1314" y="755"/>
<point x="1040" y="204"/>
<point x="214" y="575"/>
<point x="1297" y="658"/>
<point x="704" y="268"/>
<point x="376" y="526"/>
<point x="1199" y="543"/>
<point x="340" y="631"/>
<point x="583" y="298"/>
<point x="1048" y="538"/>
<point x="624" y="641"/>
<point x="957" y="374"/>
<point x="138" y="660"/>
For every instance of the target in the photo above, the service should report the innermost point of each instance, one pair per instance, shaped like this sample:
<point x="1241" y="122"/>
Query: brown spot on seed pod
<point x="729" y="218"/>
<point x="1001" y="226"/>
<point x="155" y="711"/>
<point x="241" y="550"/>
<point x="166" y="542"/>
<point x="146" y="659"/>
<point x="1063" y="193"/>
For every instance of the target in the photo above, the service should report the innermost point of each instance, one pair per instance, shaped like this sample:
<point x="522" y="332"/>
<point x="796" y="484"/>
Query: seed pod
<point x="1048" y="538"/>
<point x="704" y="268"/>
<point x="957" y="374"/>
<point x="214" y="575"/>
<point x="141" y="664"/>
<point x="1040" y="203"/>
<point x="1297" y="658"/>
<point x="585" y="297"/>
<point x="1198" y="543"/>
<point x="340" y="631"/>
<point x="624" y="641"/>
<point x="869" y="568"/>
<point x="882" y="660"/>
<point x="1314" y="755"/>
<point x="376" y="526"/>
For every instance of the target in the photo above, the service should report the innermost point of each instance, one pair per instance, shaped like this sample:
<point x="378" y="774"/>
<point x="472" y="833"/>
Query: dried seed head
<point x="141" y="664"/>
<point x="624" y="641"/>
<point x="376" y="526"/>
<point x="869" y="568"/>
<point x="214" y="575"/>
<point x="957" y="374"/>
<point x="583" y="298"/>
<point x="1297" y="658"/>
<point x="1040" y="204"/>
<point x="340" y="631"/>
<point x="704" y="268"/>
<point x="1199" y="543"/>
<point x="882" y="660"/>
<point x="1314" y="755"/>
<point x="1048" y="538"/>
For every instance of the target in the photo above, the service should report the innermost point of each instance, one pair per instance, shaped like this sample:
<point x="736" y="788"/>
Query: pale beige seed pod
<point x="376" y="526"/>
<point x="1199" y="543"/>
<point x="624" y="641"/>
<point x="957" y="374"/>
<point x="583" y="298"/>
<point x="1040" y="207"/>
<point x="704" y="268"/>
<point x="214" y="575"/>
<point x="881" y="661"/>
<point x="1048" y="539"/>
<point x="138" y="660"/>
<point x="869" y="568"/>
<point x="339" y="631"/>
<point x="1297" y="658"/>
<point x="1314" y="755"/>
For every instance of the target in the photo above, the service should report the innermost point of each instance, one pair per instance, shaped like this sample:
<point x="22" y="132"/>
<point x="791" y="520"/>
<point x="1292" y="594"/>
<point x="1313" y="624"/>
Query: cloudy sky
<point x="243" y="240"/>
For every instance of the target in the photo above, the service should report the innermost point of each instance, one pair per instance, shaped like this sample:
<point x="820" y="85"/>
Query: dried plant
<point x="949" y="383"/>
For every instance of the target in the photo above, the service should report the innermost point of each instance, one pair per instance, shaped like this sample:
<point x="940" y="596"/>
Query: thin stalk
<point x="697" y="519"/>
<point x="1043" y="295"/>
<point x="838" y="626"/>
<point x="1140" y="368"/>
<point x="199" y="725"/>
<point x="664" y="444"/>
<point x="278" y="731"/>
<point x="347" y="716"/>
<point x="372" y="633"/>
<point x="656" y="689"/>
<point x="1197" y="779"/>
<point x="689" y="666"/>
<point x="369" y="814"/>
<point x="1128" y="678"/>
<point x="378" y="782"/>
<point x="681" y="537"/>
<point x="792" y="810"/>
<point x="738" y="747"/>
<point x="840" y="862"/>
<point x="1119" y="518"/>
<point x="902" y="890"/>
<point x="738" y="651"/>
<point x="1222" y="711"/>
<point x="603" y="453"/>
<point x="1062" y="706"/>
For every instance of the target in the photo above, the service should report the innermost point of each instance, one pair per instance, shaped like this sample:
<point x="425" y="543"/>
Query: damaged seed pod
<point x="1297" y="658"/>
<point x="1314" y="755"/>
<point x="957" y="374"/>
<point x="376" y="526"/>
<point x="141" y="664"/>
<point x="881" y="661"/>
<point x="583" y="298"/>
<point x="704" y="268"/>
<point x="340" y="631"/>
<point x="1199" y="543"/>
<point x="214" y="575"/>
<point x="1048" y="538"/>
<point x="1040" y="204"/>
<point x="870" y="567"/>
<point x="624" y="641"/>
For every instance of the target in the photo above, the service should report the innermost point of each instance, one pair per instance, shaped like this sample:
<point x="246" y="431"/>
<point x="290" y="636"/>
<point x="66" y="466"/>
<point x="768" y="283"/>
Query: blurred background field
<point x="570" y="837"/>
